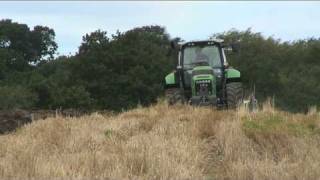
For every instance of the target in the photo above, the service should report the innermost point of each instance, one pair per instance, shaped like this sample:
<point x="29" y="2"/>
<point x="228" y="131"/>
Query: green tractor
<point x="203" y="77"/>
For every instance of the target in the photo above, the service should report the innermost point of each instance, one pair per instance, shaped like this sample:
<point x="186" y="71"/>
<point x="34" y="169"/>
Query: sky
<point x="189" y="20"/>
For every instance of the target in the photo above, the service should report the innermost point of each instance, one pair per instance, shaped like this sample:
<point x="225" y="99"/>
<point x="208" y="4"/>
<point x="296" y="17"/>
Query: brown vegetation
<point x="166" y="142"/>
<point x="10" y="120"/>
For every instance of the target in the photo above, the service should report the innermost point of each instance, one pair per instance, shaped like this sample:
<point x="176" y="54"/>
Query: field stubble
<point x="166" y="142"/>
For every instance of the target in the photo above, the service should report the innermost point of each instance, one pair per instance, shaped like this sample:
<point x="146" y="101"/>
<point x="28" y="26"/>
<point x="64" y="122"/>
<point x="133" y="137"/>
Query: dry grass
<point x="164" y="142"/>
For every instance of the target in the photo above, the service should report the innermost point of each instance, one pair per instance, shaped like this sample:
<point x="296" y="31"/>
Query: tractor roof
<point x="194" y="42"/>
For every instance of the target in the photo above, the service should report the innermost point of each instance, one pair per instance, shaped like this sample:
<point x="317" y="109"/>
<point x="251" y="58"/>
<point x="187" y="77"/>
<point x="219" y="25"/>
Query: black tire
<point x="174" y="96"/>
<point x="234" y="94"/>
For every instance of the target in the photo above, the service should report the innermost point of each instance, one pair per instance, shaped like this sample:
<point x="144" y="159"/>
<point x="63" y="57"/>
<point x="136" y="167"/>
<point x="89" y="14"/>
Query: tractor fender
<point x="232" y="75"/>
<point x="171" y="80"/>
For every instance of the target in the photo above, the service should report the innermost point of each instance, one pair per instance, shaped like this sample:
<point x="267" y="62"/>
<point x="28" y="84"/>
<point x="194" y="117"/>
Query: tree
<point x="53" y="83"/>
<point x="125" y="70"/>
<point x="21" y="46"/>
<point x="16" y="97"/>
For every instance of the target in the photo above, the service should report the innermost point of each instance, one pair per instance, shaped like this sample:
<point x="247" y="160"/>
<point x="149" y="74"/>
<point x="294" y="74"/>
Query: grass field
<point x="166" y="142"/>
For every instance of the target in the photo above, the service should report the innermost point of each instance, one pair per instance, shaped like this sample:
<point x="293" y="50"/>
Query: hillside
<point x="162" y="142"/>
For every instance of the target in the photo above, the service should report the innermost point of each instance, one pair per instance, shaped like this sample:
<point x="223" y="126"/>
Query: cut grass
<point x="166" y="142"/>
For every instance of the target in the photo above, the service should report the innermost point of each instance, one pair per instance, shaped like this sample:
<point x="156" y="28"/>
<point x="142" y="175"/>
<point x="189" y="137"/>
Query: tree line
<point x="121" y="70"/>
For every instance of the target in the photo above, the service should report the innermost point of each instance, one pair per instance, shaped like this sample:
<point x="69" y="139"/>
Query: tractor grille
<point x="203" y="87"/>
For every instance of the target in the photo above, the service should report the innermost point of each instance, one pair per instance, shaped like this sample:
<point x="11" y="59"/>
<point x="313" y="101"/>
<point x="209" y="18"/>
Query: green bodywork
<point x="202" y="82"/>
<point x="202" y="68"/>
<point x="170" y="79"/>
<point x="232" y="73"/>
<point x="203" y="77"/>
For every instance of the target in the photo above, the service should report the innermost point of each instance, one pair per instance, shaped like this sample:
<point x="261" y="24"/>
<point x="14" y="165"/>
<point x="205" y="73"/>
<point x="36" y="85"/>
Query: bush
<point x="12" y="97"/>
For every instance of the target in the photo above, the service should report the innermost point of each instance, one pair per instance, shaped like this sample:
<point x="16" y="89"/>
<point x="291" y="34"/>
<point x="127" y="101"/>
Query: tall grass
<point x="166" y="142"/>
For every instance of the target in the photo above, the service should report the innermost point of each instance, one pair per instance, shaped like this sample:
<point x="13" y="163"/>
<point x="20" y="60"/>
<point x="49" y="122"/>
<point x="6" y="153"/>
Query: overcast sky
<point x="188" y="20"/>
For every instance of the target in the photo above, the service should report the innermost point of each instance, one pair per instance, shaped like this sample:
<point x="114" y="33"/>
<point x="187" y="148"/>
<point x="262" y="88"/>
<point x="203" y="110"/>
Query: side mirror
<point x="173" y="44"/>
<point x="235" y="47"/>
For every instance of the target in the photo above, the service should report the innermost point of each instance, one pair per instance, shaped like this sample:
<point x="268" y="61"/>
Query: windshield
<point x="209" y="55"/>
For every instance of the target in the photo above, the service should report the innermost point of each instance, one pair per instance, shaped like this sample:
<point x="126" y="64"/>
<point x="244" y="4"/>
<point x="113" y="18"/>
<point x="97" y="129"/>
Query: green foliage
<point x="56" y="88"/>
<point x="20" y="49"/>
<point x="71" y="97"/>
<point x="23" y="45"/>
<point x="108" y="133"/>
<point x="288" y="71"/>
<point x="279" y="124"/>
<point x="16" y="97"/>
<point x="125" y="70"/>
<point x="300" y="76"/>
<point x="128" y="68"/>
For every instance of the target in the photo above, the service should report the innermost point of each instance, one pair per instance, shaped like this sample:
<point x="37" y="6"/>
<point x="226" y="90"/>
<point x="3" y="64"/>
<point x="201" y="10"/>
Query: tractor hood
<point x="198" y="72"/>
<point x="202" y="70"/>
<point x="203" y="85"/>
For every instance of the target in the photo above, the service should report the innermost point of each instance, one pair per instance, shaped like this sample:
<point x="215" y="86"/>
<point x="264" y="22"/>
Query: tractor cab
<point x="199" y="56"/>
<point x="206" y="53"/>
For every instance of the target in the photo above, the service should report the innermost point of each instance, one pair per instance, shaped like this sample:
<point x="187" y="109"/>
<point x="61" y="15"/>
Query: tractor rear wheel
<point x="174" y="96"/>
<point x="234" y="94"/>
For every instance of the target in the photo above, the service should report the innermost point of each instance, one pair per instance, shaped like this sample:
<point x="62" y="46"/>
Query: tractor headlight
<point x="203" y="87"/>
<point x="205" y="81"/>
